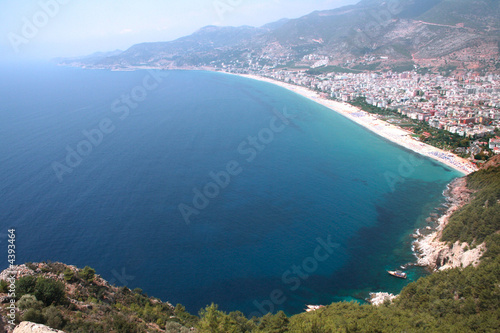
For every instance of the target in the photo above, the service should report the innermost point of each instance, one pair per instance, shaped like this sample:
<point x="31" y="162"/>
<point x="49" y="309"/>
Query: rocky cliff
<point x="28" y="327"/>
<point x="436" y="254"/>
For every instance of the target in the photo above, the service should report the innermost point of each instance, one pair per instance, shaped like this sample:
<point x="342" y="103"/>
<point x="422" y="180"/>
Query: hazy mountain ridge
<point x="427" y="32"/>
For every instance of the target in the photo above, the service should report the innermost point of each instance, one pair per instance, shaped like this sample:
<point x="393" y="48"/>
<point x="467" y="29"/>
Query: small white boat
<point x="399" y="274"/>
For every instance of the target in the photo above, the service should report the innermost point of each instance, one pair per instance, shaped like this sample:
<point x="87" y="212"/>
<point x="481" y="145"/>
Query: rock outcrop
<point x="438" y="255"/>
<point x="380" y="298"/>
<point x="28" y="327"/>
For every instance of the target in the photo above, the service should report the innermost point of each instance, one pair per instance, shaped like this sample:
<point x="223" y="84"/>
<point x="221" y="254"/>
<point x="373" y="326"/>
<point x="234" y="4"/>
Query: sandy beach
<point x="380" y="127"/>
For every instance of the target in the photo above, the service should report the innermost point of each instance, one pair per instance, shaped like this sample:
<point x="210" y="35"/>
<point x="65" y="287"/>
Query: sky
<point x="44" y="29"/>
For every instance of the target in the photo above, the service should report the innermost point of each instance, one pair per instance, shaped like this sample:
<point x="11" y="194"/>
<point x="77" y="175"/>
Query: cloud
<point x="126" y="31"/>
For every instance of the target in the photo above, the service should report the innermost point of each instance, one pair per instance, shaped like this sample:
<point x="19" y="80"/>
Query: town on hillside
<point x="464" y="103"/>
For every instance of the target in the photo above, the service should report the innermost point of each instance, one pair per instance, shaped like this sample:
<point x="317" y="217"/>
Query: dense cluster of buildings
<point x="467" y="104"/>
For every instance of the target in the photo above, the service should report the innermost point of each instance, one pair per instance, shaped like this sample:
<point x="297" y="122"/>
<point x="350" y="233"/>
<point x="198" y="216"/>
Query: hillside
<point x="480" y="219"/>
<point x="375" y="33"/>
<point x="77" y="300"/>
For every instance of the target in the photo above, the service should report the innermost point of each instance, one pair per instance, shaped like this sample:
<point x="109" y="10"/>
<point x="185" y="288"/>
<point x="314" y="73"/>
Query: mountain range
<point x="372" y="33"/>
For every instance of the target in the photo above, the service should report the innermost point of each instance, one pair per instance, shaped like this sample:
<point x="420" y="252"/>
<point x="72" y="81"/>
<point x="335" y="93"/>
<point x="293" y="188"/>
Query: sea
<point x="201" y="187"/>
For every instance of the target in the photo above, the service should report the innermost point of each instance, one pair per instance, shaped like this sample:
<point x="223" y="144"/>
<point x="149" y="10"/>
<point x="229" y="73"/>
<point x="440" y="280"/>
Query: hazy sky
<point x="51" y="28"/>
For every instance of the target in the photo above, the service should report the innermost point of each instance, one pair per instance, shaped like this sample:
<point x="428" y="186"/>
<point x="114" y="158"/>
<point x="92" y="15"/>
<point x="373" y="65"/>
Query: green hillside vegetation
<point x="403" y="67"/>
<point x="481" y="218"/>
<point x="330" y="69"/>
<point x="80" y="301"/>
<point x="369" y="67"/>
<point x="475" y="14"/>
<point x="403" y="50"/>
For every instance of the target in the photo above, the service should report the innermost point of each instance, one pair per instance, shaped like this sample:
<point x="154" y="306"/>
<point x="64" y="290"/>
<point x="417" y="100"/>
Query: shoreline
<point x="388" y="131"/>
<point x="382" y="128"/>
<point x="435" y="254"/>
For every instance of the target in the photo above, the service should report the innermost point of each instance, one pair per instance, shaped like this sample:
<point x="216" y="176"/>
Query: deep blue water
<point x="299" y="173"/>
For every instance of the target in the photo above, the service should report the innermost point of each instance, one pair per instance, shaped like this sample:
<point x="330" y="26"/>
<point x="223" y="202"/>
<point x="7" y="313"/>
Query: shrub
<point x="173" y="327"/>
<point x="4" y="286"/>
<point x="29" y="302"/>
<point x="121" y="325"/>
<point x="33" y="315"/>
<point x="31" y="266"/>
<point x="69" y="275"/>
<point x="53" y="317"/>
<point x="49" y="291"/>
<point x="87" y="274"/>
<point x="25" y="285"/>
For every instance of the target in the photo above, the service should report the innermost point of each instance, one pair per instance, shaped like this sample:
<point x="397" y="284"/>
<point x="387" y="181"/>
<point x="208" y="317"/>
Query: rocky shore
<point x="437" y="255"/>
<point x="28" y="327"/>
<point x="380" y="298"/>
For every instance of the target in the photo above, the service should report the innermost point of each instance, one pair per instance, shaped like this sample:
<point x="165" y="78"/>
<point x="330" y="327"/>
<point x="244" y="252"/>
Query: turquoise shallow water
<point x="300" y="205"/>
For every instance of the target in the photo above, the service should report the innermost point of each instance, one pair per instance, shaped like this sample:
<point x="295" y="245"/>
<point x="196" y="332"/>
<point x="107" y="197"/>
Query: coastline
<point x="369" y="121"/>
<point x="429" y="250"/>
<point x="384" y="129"/>
<point x="435" y="254"/>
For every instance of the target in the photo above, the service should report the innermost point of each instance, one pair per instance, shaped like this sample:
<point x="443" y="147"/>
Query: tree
<point x="69" y="275"/>
<point x="213" y="321"/>
<point x="87" y="274"/>
<point x="277" y="323"/>
<point x="185" y="317"/>
<point x="25" y="285"/>
<point x="210" y="318"/>
<point x="49" y="291"/>
<point x="240" y="319"/>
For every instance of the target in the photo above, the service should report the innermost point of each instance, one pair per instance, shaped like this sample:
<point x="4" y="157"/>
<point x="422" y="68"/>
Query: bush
<point x="173" y="327"/>
<point x="49" y="291"/>
<point x="25" y="285"/>
<point x="87" y="274"/>
<point x="4" y="286"/>
<point x="31" y="266"/>
<point x="121" y="325"/>
<point x="29" y="302"/>
<point x="33" y="315"/>
<point x="53" y="317"/>
<point x="69" y="275"/>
